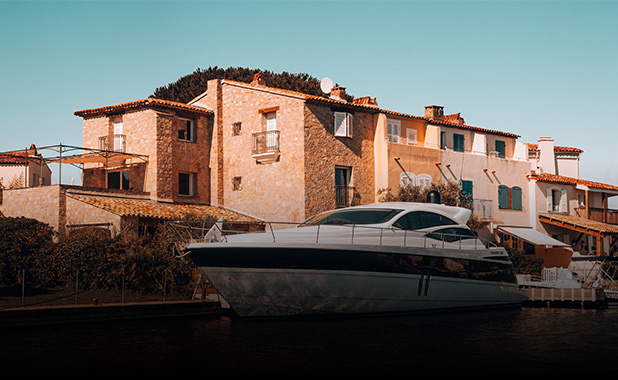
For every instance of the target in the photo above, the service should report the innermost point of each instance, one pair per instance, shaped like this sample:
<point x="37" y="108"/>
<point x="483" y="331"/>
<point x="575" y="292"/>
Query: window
<point x="343" y="176"/>
<point x="452" y="234"/>
<point x="509" y="198"/>
<point x="458" y="142"/>
<point x="370" y="216"/>
<point x="343" y="124"/>
<point x="422" y="180"/>
<point x="467" y="191"/>
<point x="118" y="180"/>
<point x="236" y="129"/>
<point x="422" y="219"/>
<point x="442" y="140"/>
<point x="186" y="184"/>
<point x="237" y="183"/>
<point x="411" y="136"/>
<point x="500" y="149"/>
<point x="186" y="130"/>
<point x="556" y="200"/>
<point x="393" y="131"/>
<point x="118" y="136"/>
<point x="271" y="121"/>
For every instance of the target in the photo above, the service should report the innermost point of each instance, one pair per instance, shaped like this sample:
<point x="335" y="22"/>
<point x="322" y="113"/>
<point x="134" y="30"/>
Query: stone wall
<point x="324" y="152"/>
<point x="154" y="134"/>
<point x="41" y="203"/>
<point x="273" y="191"/>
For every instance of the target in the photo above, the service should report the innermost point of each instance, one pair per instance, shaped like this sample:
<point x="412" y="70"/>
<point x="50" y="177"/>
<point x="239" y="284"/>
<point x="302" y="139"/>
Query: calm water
<point x="524" y="341"/>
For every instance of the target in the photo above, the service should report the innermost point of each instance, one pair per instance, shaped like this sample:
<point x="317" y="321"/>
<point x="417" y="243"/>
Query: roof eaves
<point x="143" y="103"/>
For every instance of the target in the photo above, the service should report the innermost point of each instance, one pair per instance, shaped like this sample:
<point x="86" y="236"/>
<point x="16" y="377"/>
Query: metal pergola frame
<point x="87" y="155"/>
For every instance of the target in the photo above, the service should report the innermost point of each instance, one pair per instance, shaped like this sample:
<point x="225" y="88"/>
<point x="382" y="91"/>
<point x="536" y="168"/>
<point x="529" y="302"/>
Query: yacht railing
<point x="211" y="231"/>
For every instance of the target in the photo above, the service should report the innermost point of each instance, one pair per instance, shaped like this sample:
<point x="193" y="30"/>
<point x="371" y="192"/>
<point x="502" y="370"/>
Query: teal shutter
<point x="467" y="190"/>
<point x="458" y="143"/>
<point x="503" y="197"/>
<point x="501" y="148"/>
<point x="516" y="198"/>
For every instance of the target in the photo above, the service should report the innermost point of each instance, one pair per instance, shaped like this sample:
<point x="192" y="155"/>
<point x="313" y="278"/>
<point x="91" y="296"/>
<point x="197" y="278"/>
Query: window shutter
<point x="393" y="131"/>
<point x="340" y="118"/>
<point x="501" y="148"/>
<point x="503" y="197"/>
<point x="549" y="199"/>
<point x="563" y="201"/>
<point x="516" y="198"/>
<point x="350" y="123"/>
<point x="458" y="143"/>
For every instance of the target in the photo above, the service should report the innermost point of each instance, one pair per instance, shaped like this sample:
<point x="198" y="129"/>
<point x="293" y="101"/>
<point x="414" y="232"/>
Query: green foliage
<point x="22" y="240"/>
<point x="189" y="86"/>
<point x="525" y="263"/>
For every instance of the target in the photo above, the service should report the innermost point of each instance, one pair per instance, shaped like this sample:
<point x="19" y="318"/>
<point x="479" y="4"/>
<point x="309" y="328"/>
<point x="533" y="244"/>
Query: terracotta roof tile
<point x="146" y="208"/>
<point x="554" y="178"/>
<point x="556" y="148"/>
<point x="143" y="103"/>
<point x="13" y="158"/>
<point x="370" y="108"/>
<point x="576" y="221"/>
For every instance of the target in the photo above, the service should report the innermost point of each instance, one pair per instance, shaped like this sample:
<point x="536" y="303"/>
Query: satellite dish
<point x="326" y="85"/>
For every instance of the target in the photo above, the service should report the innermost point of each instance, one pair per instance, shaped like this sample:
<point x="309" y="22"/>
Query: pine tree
<point x="190" y="86"/>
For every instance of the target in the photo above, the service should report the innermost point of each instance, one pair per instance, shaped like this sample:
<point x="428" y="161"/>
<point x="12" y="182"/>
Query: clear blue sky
<point x="535" y="68"/>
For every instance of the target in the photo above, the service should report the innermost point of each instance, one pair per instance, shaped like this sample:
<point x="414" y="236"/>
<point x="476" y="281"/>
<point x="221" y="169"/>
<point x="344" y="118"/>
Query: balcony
<point x="113" y="143"/>
<point x="266" y="146"/>
<point x="482" y="209"/>
<point x="604" y="215"/>
<point x="344" y="196"/>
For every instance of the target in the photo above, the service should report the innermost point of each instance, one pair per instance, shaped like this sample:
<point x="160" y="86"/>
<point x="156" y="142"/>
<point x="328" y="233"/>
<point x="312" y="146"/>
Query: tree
<point x="190" y="86"/>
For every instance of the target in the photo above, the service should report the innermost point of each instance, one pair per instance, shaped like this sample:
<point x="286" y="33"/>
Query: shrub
<point x="22" y="241"/>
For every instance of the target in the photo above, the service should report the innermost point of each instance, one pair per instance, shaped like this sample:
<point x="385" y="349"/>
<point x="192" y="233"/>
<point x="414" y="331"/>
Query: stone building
<point x="284" y="156"/>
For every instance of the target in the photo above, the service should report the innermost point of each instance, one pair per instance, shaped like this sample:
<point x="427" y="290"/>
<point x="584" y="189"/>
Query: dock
<point x="566" y="298"/>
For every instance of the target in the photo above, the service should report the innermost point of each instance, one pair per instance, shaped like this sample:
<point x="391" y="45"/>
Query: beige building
<point x="25" y="168"/>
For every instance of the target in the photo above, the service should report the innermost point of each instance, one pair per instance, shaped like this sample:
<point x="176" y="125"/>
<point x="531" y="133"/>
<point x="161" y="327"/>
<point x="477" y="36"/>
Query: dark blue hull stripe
<point x="347" y="260"/>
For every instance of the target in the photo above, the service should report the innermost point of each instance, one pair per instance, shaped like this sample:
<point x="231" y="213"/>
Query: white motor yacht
<point x="381" y="258"/>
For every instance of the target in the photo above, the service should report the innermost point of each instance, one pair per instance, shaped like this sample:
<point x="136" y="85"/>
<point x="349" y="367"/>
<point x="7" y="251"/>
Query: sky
<point x="534" y="68"/>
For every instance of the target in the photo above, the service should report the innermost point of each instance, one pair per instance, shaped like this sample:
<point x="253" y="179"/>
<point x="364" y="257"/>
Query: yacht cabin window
<point x="416" y="220"/>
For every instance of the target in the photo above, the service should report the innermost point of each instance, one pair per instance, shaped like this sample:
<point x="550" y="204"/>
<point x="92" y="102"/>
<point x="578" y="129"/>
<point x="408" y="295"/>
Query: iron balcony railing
<point x="265" y="142"/>
<point x="482" y="208"/>
<point x="115" y="143"/>
<point x="344" y="196"/>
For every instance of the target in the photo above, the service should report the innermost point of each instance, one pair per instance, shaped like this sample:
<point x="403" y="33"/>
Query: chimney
<point x="547" y="161"/>
<point x="434" y="112"/>
<point x="366" y="101"/>
<point x="338" y="93"/>
<point x="257" y="79"/>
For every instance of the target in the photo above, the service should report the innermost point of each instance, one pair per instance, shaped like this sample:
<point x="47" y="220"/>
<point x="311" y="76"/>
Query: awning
<point x="532" y="236"/>
<point x="575" y="223"/>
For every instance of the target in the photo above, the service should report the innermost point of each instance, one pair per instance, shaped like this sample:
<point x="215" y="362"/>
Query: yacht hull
<point x="274" y="280"/>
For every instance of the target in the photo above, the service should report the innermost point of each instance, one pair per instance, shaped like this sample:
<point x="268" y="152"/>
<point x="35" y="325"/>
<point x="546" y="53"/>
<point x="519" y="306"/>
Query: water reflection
<point x="527" y="341"/>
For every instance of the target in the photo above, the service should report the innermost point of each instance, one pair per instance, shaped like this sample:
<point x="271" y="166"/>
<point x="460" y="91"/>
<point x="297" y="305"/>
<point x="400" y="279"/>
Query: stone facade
<point x="150" y="132"/>
<point x="296" y="179"/>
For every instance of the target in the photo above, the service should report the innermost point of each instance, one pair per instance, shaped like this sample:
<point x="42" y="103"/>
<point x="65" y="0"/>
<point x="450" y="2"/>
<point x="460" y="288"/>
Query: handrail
<point x="197" y="234"/>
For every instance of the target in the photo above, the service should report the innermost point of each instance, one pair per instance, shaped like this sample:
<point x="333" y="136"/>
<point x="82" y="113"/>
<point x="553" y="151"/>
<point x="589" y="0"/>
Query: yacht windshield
<point x="360" y="216"/>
